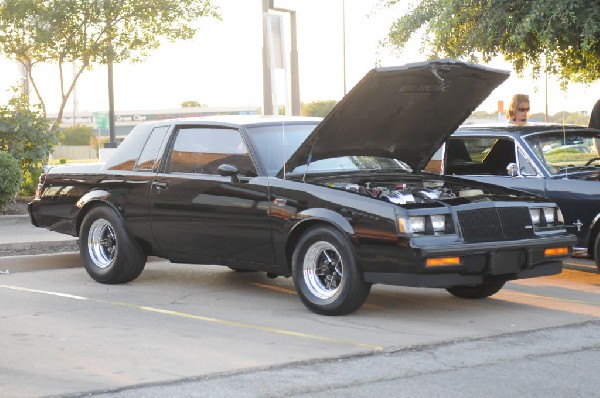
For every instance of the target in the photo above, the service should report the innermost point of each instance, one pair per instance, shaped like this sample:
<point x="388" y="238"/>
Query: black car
<point x="336" y="204"/>
<point x="560" y="162"/>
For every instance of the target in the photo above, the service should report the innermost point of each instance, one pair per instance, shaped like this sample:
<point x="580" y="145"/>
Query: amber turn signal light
<point x="556" y="251"/>
<point x="441" y="261"/>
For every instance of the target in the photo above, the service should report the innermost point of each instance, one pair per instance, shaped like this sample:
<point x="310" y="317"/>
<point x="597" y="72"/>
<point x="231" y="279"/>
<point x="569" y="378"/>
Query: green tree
<point x="192" y="104"/>
<point x="317" y="108"/>
<point x="10" y="179"/>
<point x="92" y="32"/>
<point x="560" y="37"/>
<point x="76" y="135"/>
<point x="25" y="133"/>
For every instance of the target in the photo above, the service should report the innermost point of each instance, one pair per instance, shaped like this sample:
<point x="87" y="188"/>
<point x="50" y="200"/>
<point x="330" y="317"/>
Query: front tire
<point x="109" y="254"/>
<point x="486" y="289"/>
<point x="325" y="273"/>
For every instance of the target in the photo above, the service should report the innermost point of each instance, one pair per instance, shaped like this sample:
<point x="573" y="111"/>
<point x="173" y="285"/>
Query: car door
<point x="198" y="214"/>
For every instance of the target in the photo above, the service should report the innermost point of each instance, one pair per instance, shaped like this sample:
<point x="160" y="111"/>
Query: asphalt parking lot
<point x="65" y="334"/>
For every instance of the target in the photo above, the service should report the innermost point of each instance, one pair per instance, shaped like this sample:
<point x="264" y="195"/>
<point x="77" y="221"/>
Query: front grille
<point x="495" y="223"/>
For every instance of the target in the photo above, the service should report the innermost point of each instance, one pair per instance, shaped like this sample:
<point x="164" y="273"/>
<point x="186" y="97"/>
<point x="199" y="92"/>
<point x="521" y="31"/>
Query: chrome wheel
<point x="102" y="243"/>
<point x="323" y="270"/>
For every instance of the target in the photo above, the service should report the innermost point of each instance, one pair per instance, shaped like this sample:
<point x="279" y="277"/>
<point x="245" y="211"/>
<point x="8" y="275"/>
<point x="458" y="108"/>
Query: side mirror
<point x="227" y="170"/>
<point x="512" y="170"/>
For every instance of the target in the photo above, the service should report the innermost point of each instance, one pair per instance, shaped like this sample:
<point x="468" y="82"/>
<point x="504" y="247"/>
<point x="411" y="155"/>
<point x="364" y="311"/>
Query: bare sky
<point x="222" y="66"/>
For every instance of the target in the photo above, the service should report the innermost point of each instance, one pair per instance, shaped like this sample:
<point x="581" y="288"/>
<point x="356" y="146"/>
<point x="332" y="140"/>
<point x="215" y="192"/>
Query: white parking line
<point x="201" y="318"/>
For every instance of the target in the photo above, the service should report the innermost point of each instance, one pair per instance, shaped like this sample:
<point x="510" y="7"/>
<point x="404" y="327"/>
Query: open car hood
<point x="401" y="112"/>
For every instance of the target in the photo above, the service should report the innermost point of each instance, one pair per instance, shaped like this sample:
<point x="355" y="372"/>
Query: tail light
<point x="40" y="185"/>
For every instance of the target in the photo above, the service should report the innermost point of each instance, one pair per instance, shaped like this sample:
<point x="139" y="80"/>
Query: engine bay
<point x="404" y="192"/>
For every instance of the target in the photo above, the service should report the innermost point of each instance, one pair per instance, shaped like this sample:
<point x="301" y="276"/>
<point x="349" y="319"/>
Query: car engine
<point x="402" y="193"/>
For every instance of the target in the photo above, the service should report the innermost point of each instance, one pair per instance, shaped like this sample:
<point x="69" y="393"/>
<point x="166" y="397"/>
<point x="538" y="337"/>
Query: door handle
<point x="160" y="185"/>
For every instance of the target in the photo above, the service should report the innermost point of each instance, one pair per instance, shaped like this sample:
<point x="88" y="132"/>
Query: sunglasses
<point x="523" y="109"/>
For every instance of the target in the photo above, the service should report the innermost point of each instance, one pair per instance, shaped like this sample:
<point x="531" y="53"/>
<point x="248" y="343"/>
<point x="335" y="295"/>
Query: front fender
<point x="328" y="216"/>
<point x="593" y="232"/>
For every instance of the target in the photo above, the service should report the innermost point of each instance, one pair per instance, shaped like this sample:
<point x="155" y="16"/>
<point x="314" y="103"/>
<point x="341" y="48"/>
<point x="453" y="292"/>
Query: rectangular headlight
<point x="417" y="224"/>
<point x="535" y="216"/>
<point x="438" y="222"/>
<point x="549" y="215"/>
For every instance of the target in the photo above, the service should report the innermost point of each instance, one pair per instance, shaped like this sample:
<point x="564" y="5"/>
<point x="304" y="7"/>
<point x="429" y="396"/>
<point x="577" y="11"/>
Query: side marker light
<point x="442" y="261"/>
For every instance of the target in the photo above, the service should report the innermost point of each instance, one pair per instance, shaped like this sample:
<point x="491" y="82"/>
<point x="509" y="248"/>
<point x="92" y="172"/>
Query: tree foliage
<point x="10" y="179"/>
<point x="92" y="32"/>
<point x="317" y="108"/>
<point x="580" y="118"/>
<point x="192" y="104"/>
<point x="76" y="135"/>
<point x="25" y="133"/>
<point x="561" y="37"/>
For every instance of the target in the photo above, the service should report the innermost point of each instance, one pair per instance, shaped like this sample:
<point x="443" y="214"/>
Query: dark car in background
<point x="560" y="162"/>
<point x="338" y="204"/>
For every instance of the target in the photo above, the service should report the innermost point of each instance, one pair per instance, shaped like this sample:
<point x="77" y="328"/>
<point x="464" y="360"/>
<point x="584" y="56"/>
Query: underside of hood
<point x="401" y="112"/>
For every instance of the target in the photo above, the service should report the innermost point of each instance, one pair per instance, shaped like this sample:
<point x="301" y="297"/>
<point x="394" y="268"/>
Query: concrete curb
<point x="578" y="265"/>
<point x="43" y="262"/>
<point x="40" y="245"/>
<point x="39" y="262"/>
<point x="18" y="219"/>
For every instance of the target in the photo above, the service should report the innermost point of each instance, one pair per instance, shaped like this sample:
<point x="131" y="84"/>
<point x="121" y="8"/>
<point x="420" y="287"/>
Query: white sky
<point x="222" y="66"/>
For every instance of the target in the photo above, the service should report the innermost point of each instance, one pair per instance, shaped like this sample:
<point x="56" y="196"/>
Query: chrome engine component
<point x="403" y="193"/>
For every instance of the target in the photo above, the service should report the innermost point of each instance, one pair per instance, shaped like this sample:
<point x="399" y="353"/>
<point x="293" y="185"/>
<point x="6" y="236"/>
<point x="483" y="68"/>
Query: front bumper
<point x="478" y="261"/>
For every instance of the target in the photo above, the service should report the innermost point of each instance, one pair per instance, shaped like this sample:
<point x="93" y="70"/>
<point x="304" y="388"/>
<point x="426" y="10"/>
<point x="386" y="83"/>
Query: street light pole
<point x="267" y="87"/>
<point x="294" y="71"/>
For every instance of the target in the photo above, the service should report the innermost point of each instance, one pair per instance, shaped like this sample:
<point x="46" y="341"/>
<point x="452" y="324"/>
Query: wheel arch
<point x="313" y="218"/>
<point x="88" y="202"/>
<point x="593" y="233"/>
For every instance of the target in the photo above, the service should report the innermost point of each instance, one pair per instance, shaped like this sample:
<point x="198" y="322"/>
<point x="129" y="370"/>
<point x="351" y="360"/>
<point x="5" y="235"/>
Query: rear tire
<point x="109" y="254"/>
<point x="486" y="289"/>
<point x="325" y="273"/>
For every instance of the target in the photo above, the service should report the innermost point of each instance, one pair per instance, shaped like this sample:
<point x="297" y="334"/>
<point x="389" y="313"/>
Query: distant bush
<point x="317" y="108"/>
<point x="10" y="179"/>
<point x="30" y="181"/>
<point x="77" y="135"/>
<point x="25" y="133"/>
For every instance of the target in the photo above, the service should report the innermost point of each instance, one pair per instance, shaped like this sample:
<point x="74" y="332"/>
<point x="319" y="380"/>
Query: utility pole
<point x="267" y="87"/>
<point x="294" y="71"/>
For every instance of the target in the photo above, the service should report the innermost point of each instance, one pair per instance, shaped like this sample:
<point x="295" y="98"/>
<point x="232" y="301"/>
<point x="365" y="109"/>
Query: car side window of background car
<point x="525" y="166"/>
<point x="202" y="150"/>
<point x="479" y="155"/>
<point x="149" y="156"/>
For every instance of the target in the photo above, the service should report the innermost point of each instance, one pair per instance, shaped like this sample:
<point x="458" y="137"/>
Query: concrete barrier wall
<point x="74" y="152"/>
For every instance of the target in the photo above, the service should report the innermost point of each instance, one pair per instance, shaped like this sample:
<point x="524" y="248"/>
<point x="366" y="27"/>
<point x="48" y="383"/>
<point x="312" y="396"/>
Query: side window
<point x="479" y="155"/>
<point x="148" y="157"/>
<point x="203" y="150"/>
<point x="525" y="167"/>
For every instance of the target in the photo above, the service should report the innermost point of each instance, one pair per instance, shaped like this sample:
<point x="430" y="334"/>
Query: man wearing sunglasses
<point x="518" y="109"/>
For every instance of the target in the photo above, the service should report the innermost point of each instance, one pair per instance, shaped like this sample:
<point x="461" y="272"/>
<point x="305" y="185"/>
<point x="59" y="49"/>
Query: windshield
<point x="353" y="163"/>
<point x="561" y="151"/>
<point x="275" y="144"/>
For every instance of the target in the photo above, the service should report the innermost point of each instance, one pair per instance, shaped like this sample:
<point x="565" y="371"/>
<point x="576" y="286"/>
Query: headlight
<point x="435" y="224"/>
<point x="438" y="222"/>
<point x="546" y="217"/>
<point x="417" y="224"/>
<point x="549" y="215"/>
<point x="535" y="216"/>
